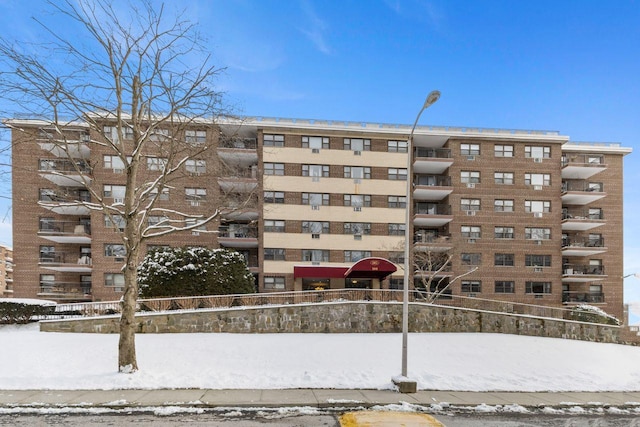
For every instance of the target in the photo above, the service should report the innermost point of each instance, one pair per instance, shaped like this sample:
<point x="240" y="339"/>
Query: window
<point x="155" y="220"/>
<point x="505" y="287"/>
<point x="47" y="281"/>
<point x="271" y="282"/>
<point x="537" y="288"/>
<point x="315" y="255"/>
<point x="192" y="224"/>
<point x="357" y="172"/>
<point x="357" y="200"/>
<point x="114" y="222"/>
<point x="274" y="254"/>
<point x="397" y="201"/>
<point x="196" y="136"/>
<point x="48" y="224"/>
<point x="396" y="283"/>
<point x="113" y="162"/>
<point x="537" y="260"/>
<point x="503" y="150"/>
<point x="114" y="280"/>
<point x="503" y="177"/>
<point x="315" y="142"/>
<point x="353" y="256"/>
<point x="164" y="195"/>
<point x="396" y="257"/>
<point x="534" y="233"/>
<point x="537" y="152"/>
<point x="273" y="226"/>
<point x="397" y="229"/>
<point x="196" y="167"/>
<point x="595" y="186"/>
<point x="503" y="233"/>
<point x="397" y="174"/>
<point x="269" y="140"/>
<point x="470" y="286"/>
<point x="500" y="205"/>
<point x="357" y="144"/>
<point x="537" y="179"/>
<point x="114" y="191"/>
<point x="397" y="146"/>
<point x="114" y="250"/>
<point x="595" y="213"/>
<point x="274" y="197"/>
<point x="357" y="228"/>
<point x="48" y="254"/>
<point x="315" y="199"/>
<point x="470" y="204"/>
<point x="470" y="259"/>
<point x="469" y="149"/>
<point x="315" y="170"/>
<point x="469" y="177"/>
<point x="47" y="195"/>
<point x="503" y="260"/>
<point x="156" y="163"/>
<point x="274" y="169"/>
<point x="470" y="231"/>
<point x="538" y="206"/>
<point x="195" y="195"/>
<point x="315" y="227"/>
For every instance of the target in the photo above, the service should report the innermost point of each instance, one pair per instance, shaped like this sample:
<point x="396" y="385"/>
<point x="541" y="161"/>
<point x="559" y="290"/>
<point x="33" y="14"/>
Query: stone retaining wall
<point x="345" y="317"/>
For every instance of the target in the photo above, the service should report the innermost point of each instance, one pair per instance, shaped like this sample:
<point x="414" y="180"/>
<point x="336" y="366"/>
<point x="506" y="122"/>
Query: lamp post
<point x="430" y="100"/>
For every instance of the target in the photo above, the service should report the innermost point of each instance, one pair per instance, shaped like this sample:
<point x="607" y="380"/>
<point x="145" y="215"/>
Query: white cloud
<point x="316" y="29"/>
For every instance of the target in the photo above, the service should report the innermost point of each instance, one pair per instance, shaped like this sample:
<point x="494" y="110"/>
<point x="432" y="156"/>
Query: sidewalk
<point x="317" y="398"/>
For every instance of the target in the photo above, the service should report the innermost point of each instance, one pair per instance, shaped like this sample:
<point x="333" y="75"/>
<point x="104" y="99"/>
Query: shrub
<point x="24" y="310"/>
<point x="591" y="314"/>
<point x="177" y="272"/>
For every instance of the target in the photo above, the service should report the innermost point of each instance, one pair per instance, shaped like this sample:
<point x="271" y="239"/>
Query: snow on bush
<point x="18" y="310"/>
<point x="592" y="314"/>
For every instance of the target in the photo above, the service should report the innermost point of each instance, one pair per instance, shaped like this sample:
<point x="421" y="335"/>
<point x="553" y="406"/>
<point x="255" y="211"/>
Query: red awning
<point x="378" y="268"/>
<point x="371" y="267"/>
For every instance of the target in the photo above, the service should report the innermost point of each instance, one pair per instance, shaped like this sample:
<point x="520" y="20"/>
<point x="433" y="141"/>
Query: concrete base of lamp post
<point x="405" y="385"/>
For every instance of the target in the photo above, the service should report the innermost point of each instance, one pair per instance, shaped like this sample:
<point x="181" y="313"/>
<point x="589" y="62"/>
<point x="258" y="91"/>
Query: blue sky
<point x="571" y="66"/>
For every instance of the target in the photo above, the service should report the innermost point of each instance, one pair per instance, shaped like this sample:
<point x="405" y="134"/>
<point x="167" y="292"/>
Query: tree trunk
<point x="127" y="362"/>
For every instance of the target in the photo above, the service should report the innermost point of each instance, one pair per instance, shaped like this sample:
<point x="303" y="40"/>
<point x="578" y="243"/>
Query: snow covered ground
<point x="31" y="359"/>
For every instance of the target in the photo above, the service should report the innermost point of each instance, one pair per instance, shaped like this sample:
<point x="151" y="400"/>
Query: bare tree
<point x="133" y="85"/>
<point x="431" y="266"/>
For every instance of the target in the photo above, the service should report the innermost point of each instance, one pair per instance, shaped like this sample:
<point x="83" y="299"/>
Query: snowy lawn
<point x="31" y="359"/>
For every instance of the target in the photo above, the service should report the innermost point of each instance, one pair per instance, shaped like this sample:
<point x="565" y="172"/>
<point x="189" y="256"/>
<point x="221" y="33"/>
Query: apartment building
<point x="6" y="271"/>
<point x="525" y="216"/>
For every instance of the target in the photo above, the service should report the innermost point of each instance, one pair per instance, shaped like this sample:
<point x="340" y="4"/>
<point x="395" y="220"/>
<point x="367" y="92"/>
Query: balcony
<point x="432" y="214"/>
<point x="581" y="219"/>
<point x="238" y="151"/>
<point x="582" y="273"/>
<point x="73" y="145"/>
<point x="65" y="202"/>
<point x="582" y="246"/>
<point x="582" y="166"/>
<point x="238" y="236"/>
<point x="239" y="180"/>
<point x="432" y="160"/>
<point x="65" y="231"/>
<point x="431" y="242"/>
<point x="432" y="187"/>
<point x="573" y="297"/>
<point x="239" y="208"/>
<point x="65" y="262"/>
<point x="65" y="173"/>
<point x="62" y="291"/>
<point x="581" y="192"/>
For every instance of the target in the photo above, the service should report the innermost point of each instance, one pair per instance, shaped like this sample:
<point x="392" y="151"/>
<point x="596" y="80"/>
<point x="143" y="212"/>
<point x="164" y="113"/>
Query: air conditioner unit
<point x="315" y="262"/>
<point x="471" y="295"/>
<point x="315" y="236"/>
<point x="195" y="203"/>
<point x="315" y="179"/>
<point x="195" y="233"/>
<point x="471" y="157"/>
<point x="537" y="187"/>
<point x="315" y="150"/>
<point x="118" y="200"/>
<point x="357" y="237"/>
<point x="357" y="209"/>
<point x="537" y="270"/>
<point x="85" y="138"/>
<point x="118" y="170"/>
<point x="537" y="214"/>
<point x="537" y="159"/>
<point x="471" y="213"/>
<point x="471" y="185"/>
<point x="118" y="259"/>
<point x="357" y="153"/>
<point x="195" y="173"/>
<point x="471" y="240"/>
<point x="315" y="207"/>
<point x="356" y="181"/>
<point x="538" y="242"/>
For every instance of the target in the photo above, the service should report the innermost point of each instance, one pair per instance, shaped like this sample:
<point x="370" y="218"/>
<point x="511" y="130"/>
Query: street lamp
<point x="403" y="383"/>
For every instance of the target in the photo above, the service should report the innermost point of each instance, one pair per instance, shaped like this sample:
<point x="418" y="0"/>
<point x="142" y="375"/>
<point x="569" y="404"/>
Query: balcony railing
<point x="238" y="232"/>
<point x="583" y="242"/>
<point x="65" y="197"/>
<point x="65" y="289"/>
<point x="64" y="258"/>
<point x="437" y="153"/>
<point x="573" y="269"/>
<point x="431" y="238"/>
<point x="65" y="227"/>
<point x="582" y="186"/>
<point x="433" y="180"/>
<point x="432" y="209"/>
<point x="582" y="297"/>
<point x="582" y="214"/>
<point x="63" y="165"/>
<point x="239" y="143"/>
<point x="593" y="160"/>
